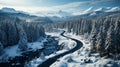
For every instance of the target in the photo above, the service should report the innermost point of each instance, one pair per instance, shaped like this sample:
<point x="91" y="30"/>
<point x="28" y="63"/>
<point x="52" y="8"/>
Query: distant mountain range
<point x="10" y="12"/>
<point x="58" y="16"/>
<point x="100" y="12"/>
<point x="92" y="10"/>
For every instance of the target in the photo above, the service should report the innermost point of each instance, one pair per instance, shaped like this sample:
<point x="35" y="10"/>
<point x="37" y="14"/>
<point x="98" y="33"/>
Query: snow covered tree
<point x="33" y="31"/>
<point x="100" y="40"/>
<point x="12" y="33"/>
<point x="110" y="40"/>
<point x="117" y="35"/>
<point x="93" y="42"/>
<point x="1" y="48"/>
<point x="103" y="32"/>
<point x="8" y="31"/>
<point x="3" y="38"/>
<point x="42" y="56"/>
<point x="23" y="39"/>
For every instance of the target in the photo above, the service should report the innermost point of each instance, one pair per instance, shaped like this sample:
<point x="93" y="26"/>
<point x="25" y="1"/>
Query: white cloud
<point x="70" y="7"/>
<point x="19" y="2"/>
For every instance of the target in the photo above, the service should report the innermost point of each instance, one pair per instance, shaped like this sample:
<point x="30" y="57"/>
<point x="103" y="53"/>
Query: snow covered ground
<point x="13" y="51"/>
<point x="68" y="44"/>
<point x="81" y="58"/>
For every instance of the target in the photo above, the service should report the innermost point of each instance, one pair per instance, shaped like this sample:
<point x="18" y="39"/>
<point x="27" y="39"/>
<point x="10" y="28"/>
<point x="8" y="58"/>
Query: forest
<point x="102" y="32"/>
<point x="15" y="31"/>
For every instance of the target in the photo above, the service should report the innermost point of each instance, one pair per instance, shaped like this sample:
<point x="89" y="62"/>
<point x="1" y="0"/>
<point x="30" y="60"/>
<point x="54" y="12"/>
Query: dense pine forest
<point x="102" y="32"/>
<point x="15" y="31"/>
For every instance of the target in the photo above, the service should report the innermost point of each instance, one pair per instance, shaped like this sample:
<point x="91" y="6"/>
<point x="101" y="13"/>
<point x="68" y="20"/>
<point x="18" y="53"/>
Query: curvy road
<point x="50" y="61"/>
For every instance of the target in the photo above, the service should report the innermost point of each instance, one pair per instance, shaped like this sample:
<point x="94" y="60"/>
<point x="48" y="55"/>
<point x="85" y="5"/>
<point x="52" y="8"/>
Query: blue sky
<point x="56" y="5"/>
<point x="58" y="2"/>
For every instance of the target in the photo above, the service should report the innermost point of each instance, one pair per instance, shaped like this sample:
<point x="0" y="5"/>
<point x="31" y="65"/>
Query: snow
<point x="58" y="13"/>
<point x="103" y="9"/>
<point x="12" y="51"/>
<point x="37" y="61"/>
<point x="35" y="45"/>
<point x="67" y="42"/>
<point x="11" y="10"/>
<point x="56" y="53"/>
<point x="55" y="32"/>
<point x="88" y="10"/>
<point x="93" y="13"/>
<point x="63" y="40"/>
<point x="113" y="9"/>
<point x="81" y="58"/>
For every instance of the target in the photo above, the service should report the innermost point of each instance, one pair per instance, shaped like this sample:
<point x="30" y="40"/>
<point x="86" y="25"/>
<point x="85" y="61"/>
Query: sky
<point x="56" y="5"/>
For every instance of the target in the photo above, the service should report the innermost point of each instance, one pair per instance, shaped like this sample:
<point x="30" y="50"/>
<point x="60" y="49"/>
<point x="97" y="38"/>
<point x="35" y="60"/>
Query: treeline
<point x="14" y="31"/>
<point x="103" y="33"/>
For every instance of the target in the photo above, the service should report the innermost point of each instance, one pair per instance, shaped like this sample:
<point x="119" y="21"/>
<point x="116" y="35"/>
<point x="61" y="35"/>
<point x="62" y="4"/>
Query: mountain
<point x="88" y="13"/>
<point x="88" y="10"/>
<point x="91" y="12"/>
<point x="63" y="13"/>
<point x="113" y="9"/>
<point x="60" y="14"/>
<point x="10" y="12"/>
<point x="102" y="9"/>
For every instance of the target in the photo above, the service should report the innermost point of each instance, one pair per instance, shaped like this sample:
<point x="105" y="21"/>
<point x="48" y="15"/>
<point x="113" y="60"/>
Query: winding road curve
<point x="50" y="61"/>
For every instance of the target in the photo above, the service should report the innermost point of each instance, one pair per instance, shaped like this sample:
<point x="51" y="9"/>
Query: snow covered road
<point x="50" y="61"/>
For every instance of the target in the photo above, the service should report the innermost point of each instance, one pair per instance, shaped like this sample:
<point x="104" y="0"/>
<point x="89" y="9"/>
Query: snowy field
<point x="68" y="44"/>
<point x="13" y="51"/>
<point x="81" y="58"/>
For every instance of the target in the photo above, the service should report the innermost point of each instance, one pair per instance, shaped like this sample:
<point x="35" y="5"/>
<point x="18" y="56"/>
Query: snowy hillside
<point x="81" y="57"/>
<point x="93" y="11"/>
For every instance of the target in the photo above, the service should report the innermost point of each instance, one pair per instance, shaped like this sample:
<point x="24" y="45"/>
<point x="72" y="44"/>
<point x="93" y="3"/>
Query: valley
<point x="70" y="33"/>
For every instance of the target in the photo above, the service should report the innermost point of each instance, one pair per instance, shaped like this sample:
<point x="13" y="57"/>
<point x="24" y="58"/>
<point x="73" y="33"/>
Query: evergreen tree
<point x="110" y="40"/>
<point x="23" y="39"/>
<point x="1" y="48"/>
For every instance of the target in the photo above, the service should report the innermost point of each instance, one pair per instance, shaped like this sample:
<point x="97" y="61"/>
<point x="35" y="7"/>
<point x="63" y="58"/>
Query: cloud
<point x="71" y="5"/>
<point x="19" y="2"/>
<point x="34" y="6"/>
<point x="26" y="6"/>
<point x="95" y="2"/>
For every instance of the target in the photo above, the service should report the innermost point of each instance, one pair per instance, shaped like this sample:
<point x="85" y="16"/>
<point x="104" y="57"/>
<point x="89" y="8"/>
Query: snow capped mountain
<point x="113" y="9"/>
<point x="10" y="10"/>
<point x="64" y="14"/>
<point x="88" y="10"/>
<point x="108" y="9"/>
<point x="101" y="9"/>
<point x="92" y="11"/>
<point x="59" y="13"/>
